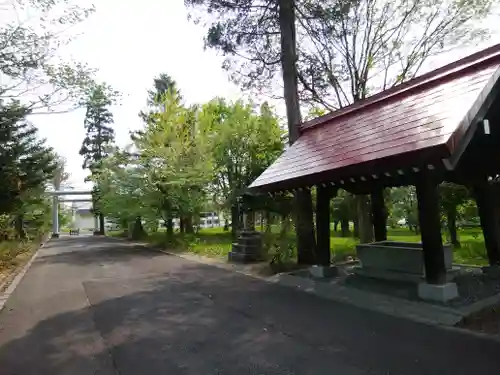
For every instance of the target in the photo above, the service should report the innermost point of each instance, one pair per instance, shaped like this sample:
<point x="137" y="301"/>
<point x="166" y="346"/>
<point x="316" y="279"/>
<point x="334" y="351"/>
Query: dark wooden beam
<point x="430" y="226"/>
<point x="379" y="214"/>
<point x="468" y="127"/>
<point x="323" y="196"/>
<point x="487" y="204"/>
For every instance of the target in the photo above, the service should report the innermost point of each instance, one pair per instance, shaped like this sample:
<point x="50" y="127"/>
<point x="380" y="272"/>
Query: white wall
<point x="84" y="222"/>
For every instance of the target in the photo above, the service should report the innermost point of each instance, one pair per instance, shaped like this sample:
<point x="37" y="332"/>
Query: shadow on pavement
<point x="197" y="319"/>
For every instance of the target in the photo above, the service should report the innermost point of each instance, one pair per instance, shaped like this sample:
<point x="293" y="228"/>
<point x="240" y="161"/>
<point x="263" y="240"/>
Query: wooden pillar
<point x="379" y="214"/>
<point x="486" y="205"/>
<point x="430" y="225"/>
<point x="323" y="195"/>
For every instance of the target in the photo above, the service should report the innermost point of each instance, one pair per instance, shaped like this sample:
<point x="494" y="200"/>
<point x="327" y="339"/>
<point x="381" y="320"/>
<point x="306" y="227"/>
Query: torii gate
<point x="55" y="206"/>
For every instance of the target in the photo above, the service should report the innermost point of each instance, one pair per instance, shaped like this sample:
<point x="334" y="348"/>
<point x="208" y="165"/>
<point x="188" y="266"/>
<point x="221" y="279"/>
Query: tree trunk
<point x="344" y="228"/>
<point x="181" y="225"/>
<point x="188" y="225"/>
<point x="102" y="228"/>
<point x="451" y="222"/>
<point x="268" y="222"/>
<point x="355" y="226"/>
<point x="336" y="225"/>
<point x="365" y="226"/>
<point x="19" y="224"/>
<point x="488" y="205"/>
<point x="303" y="210"/>
<point x="170" y="227"/>
<point x="138" y="230"/>
<point x="235" y="221"/>
<point x="283" y="241"/>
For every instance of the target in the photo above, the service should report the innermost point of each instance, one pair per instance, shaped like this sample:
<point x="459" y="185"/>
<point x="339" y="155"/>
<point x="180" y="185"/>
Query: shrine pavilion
<point x="441" y="126"/>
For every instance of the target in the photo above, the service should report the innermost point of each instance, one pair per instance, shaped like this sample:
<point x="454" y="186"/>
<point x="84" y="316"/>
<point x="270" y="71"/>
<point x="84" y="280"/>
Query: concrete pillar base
<point x="437" y="292"/>
<point x="323" y="271"/>
<point x="55" y="235"/>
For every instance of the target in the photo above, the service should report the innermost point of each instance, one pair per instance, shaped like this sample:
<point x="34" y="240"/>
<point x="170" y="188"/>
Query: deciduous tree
<point x="244" y="143"/>
<point x="262" y="33"/>
<point x="175" y="151"/>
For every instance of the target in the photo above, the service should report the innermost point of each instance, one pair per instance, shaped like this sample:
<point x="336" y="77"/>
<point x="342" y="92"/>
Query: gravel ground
<point x="472" y="285"/>
<point x="486" y="321"/>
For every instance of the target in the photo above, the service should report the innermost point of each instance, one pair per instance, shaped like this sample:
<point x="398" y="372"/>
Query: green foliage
<point x="27" y="163"/>
<point x="343" y="206"/>
<point x="162" y="85"/>
<point x="175" y="149"/>
<point x="187" y="158"/>
<point x="33" y="81"/>
<point x="405" y="206"/>
<point x="452" y="195"/>
<point x="244" y="143"/>
<point x="99" y="137"/>
<point x="122" y="189"/>
<point x="99" y="134"/>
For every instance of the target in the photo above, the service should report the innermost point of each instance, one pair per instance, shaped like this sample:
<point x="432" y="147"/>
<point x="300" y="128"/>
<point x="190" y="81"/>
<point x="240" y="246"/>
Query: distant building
<point x="83" y="218"/>
<point x="207" y="220"/>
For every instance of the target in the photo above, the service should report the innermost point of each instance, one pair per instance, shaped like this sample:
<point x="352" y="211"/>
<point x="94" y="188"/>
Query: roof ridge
<point x="447" y="70"/>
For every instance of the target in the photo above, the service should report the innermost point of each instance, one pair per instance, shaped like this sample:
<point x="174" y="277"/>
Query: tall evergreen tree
<point x="162" y="84"/>
<point x="28" y="164"/>
<point x="99" y="136"/>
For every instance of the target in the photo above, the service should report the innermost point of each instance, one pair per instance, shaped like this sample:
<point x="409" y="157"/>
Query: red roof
<point x="423" y="119"/>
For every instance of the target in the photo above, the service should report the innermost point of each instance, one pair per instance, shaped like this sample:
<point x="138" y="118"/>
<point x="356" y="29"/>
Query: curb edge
<point x="4" y="297"/>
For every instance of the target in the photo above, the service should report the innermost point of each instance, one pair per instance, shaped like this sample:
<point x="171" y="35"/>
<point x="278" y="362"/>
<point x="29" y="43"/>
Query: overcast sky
<point x="131" y="42"/>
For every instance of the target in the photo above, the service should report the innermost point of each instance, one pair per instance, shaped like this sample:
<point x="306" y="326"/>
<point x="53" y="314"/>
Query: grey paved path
<point x="101" y="306"/>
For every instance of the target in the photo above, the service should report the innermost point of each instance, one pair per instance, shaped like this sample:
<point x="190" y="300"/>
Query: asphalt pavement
<point x="91" y="305"/>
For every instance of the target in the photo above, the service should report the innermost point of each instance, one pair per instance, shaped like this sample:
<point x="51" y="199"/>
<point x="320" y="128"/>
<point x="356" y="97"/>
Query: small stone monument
<point x="248" y="247"/>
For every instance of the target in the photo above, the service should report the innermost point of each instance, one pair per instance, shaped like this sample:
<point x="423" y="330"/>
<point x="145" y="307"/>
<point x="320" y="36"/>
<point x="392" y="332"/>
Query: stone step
<point x="242" y="258"/>
<point x="246" y="249"/>
<point x="250" y="241"/>
<point x="249" y="234"/>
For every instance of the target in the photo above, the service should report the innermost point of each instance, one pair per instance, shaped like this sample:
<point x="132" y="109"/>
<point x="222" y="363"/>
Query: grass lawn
<point x="214" y="242"/>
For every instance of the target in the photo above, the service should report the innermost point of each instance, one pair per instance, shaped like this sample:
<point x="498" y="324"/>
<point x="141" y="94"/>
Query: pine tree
<point x="99" y="137"/>
<point x="28" y="164"/>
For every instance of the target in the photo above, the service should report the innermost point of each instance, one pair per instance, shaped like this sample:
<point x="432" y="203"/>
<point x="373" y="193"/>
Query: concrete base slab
<point x="54" y="235"/>
<point x="439" y="293"/>
<point x="241" y="257"/>
<point x="323" y="271"/>
<point x="390" y="275"/>
<point x="492" y="271"/>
